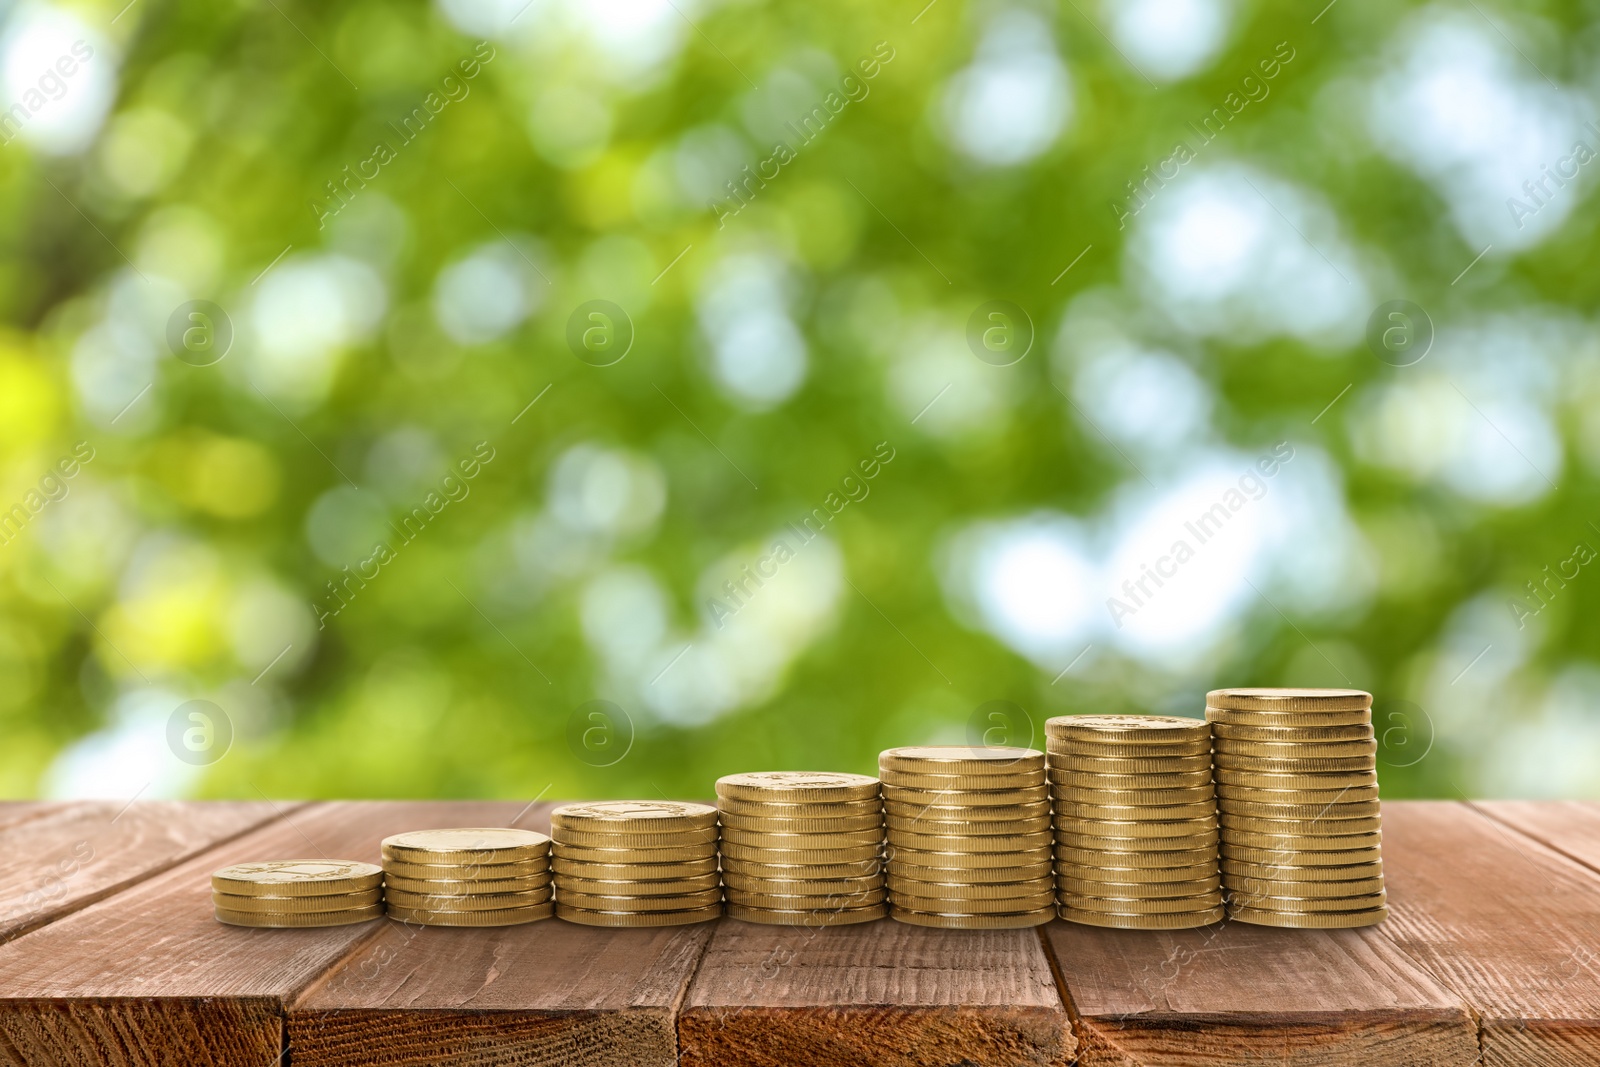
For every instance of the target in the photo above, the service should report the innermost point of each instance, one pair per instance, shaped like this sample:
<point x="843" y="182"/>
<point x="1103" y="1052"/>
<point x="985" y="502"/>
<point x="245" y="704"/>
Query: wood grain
<point x="1510" y="925"/>
<point x="148" y="977"/>
<point x="548" y="993"/>
<point x="880" y="994"/>
<point x="62" y="857"/>
<point x="1571" y="827"/>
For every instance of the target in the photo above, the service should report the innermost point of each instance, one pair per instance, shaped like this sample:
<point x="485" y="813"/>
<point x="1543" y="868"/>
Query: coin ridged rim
<point x="632" y="839"/>
<point x="484" y="844"/>
<point x="653" y="816"/>
<point x="1310" y="841"/>
<point x="1145" y="905"/>
<point x="785" y="902"/>
<point x="1255" y="887"/>
<point x="1358" y="794"/>
<point x="1251" y="809"/>
<point x="679" y="902"/>
<point x="1231" y="733"/>
<point x="821" y="824"/>
<point x="1070" y="809"/>
<point x="970" y="827"/>
<point x="1097" y="843"/>
<point x="793" y="887"/>
<point x="467" y="902"/>
<point x="912" y="887"/>
<point x="802" y="842"/>
<point x="465" y="872"/>
<point x="1145" y="728"/>
<point x="1283" y="857"/>
<point x="605" y="887"/>
<point x="498" y="917"/>
<point x="1138" y="765"/>
<point x="800" y="872"/>
<point x="955" y="921"/>
<point x="1062" y="793"/>
<point x="972" y="813"/>
<point x="634" y="872"/>
<point x="1236" y="869"/>
<point x="971" y="843"/>
<point x="969" y="782"/>
<point x="1149" y="858"/>
<point x="1310" y="920"/>
<point x="772" y="786"/>
<point x="932" y="857"/>
<point x="1298" y="765"/>
<point x="1237" y="717"/>
<point x="1137" y="875"/>
<point x="260" y="904"/>
<point x="1180" y="921"/>
<point x="1138" y="828"/>
<point x="978" y="875"/>
<point x="1282" y="902"/>
<point x="283" y="920"/>
<point x="1296" y="750"/>
<point x="1200" y="778"/>
<point x="466" y="886"/>
<point x="956" y="759"/>
<point x="800" y="857"/>
<point x="1280" y="698"/>
<point x="703" y="850"/>
<point x="961" y="798"/>
<point x="800" y="809"/>
<point x="1364" y="824"/>
<point x="1318" y="780"/>
<point x="1084" y="887"/>
<point x="824" y="917"/>
<point x="940" y="905"/>
<point x="587" y="917"/>
<point x="273" y="878"/>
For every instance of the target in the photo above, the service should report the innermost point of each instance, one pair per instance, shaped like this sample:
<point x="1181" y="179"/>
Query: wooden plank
<point x="150" y="978"/>
<point x="547" y="993"/>
<point x="15" y="811"/>
<point x="1571" y="827"/>
<point x="62" y="857"/>
<point x="1510" y="925"/>
<point x="880" y="994"/>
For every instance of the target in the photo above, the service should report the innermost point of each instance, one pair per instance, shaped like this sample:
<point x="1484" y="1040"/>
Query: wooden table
<point x="109" y="956"/>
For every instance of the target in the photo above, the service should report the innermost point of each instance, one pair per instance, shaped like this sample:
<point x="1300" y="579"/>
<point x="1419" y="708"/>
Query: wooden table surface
<point x="109" y="956"/>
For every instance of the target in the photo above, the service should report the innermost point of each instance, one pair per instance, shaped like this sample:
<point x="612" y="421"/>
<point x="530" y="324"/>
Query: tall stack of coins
<point x="636" y="863"/>
<point x="969" y="837"/>
<point x="1136" y="821"/>
<point x="802" y="848"/>
<point x="285" y="893"/>
<point x="489" y="876"/>
<point x="1297" y="784"/>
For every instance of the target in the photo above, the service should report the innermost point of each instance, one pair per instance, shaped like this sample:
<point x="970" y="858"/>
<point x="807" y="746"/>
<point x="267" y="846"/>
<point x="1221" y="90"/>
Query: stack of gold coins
<point x="1136" y="821"/>
<point x="969" y="836"/>
<point x="802" y="848"/>
<point x="1297" y="785"/>
<point x="636" y="863"/>
<point x="298" y="893"/>
<point x="487" y="876"/>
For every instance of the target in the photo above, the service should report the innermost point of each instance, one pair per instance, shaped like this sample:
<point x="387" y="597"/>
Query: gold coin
<point x="1177" y="921"/>
<point x="1258" y="902"/>
<point x="734" y="850"/>
<point x="986" y="828"/>
<point x="1244" y="887"/>
<point x="959" y="760"/>
<point x="1067" y="810"/>
<point x="1284" y="857"/>
<point x="254" y="902"/>
<point x="587" y="917"/>
<point x="976" y="875"/>
<point x="1234" y="869"/>
<point x="966" y="798"/>
<point x="1082" y="887"/>
<point x="1108" y="749"/>
<point x="1246" y="824"/>
<point x="498" y="917"/>
<point x="490" y="844"/>
<point x="467" y="902"/>
<point x="781" y="902"/>
<point x="1145" y="905"/>
<point x="605" y="887"/>
<point x="1322" y="781"/>
<point x="1311" y="841"/>
<point x="1226" y="732"/>
<point x="1292" y="719"/>
<point x="936" y="904"/>
<point x="295" y="919"/>
<point x="803" y="841"/>
<point x="825" y="917"/>
<point x="803" y="872"/>
<point x="949" y="921"/>
<point x="1309" y="765"/>
<point x="611" y="856"/>
<point x="636" y="816"/>
<point x="799" y="887"/>
<point x="635" y="872"/>
<point x="1296" y="750"/>
<point x="1249" y="809"/>
<point x="1136" y="875"/>
<point x="681" y="902"/>
<point x="1068" y="766"/>
<point x="285" y="878"/>
<point x="821" y="825"/>
<point x="1085" y="857"/>
<point x="911" y="887"/>
<point x="1121" y="828"/>
<point x="464" y="872"/>
<point x="940" y="783"/>
<point x="1227" y="792"/>
<point x="458" y="887"/>
<point x="1066" y="793"/>
<point x="1146" y="729"/>
<point x="988" y="843"/>
<point x="1085" y="842"/>
<point x="796" y="787"/>
<point x="973" y="813"/>
<point x="765" y="809"/>
<point x="1310" y="920"/>
<point x="1196" y="779"/>
<point x="924" y="857"/>
<point x="1279" y="699"/>
<point x="630" y="839"/>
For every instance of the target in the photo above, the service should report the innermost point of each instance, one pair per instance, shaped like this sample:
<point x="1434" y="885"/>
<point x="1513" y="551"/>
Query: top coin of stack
<point x="636" y="863"/>
<point x="802" y="848"/>
<point x="490" y="876"/>
<point x="969" y="836"/>
<point x="298" y="893"/>
<point x="1297" y="786"/>
<point x="1136" y="821"/>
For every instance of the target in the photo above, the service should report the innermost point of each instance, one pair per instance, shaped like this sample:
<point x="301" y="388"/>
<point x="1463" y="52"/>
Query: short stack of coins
<point x="1297" y="786"/>
<point x="636" y="863"/>
<point x="802" y="848"/>
<point x="968" y="837"/>
<point x="1136" y="821"/>
<point x="296" y="893"/>
<point x="483" y="876"/>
